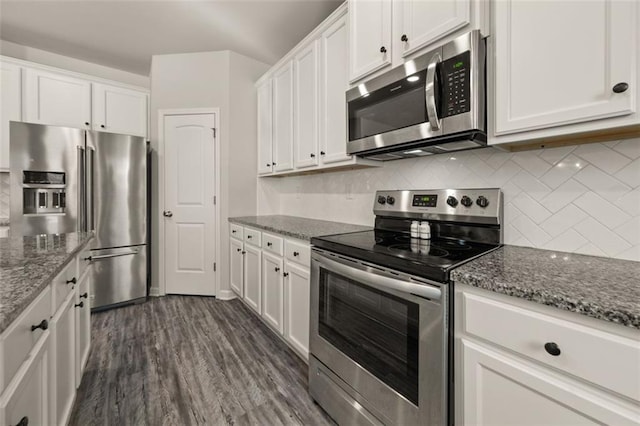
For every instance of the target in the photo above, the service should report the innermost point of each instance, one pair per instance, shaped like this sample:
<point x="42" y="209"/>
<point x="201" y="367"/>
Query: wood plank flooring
<point x="184" y="360"/>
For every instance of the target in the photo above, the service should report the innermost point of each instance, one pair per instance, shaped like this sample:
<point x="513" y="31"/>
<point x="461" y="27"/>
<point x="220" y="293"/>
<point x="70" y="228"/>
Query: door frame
<point x="162" y="113"/>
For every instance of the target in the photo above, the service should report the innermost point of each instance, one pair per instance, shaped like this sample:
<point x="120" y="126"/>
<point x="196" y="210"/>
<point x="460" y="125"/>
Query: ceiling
<point x="124" y="34"/>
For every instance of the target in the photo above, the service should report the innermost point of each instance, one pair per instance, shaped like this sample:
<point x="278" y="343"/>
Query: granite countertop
<point x="27" y="266"/>
<point x="297" y="227"/>
<point x="599" y="287"/>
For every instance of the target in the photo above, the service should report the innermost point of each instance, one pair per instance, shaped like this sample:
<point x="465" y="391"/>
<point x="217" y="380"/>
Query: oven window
<point x="393" y="107"/>
<point x="377" y="330"/>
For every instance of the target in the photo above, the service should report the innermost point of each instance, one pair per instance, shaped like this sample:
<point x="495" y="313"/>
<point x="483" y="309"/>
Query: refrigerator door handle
<point x="89" y="201"/>
<point x="82" y="226"/>
<point x="109" y="256"/>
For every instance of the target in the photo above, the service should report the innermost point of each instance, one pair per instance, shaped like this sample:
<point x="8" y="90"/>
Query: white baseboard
<point x="226" y="295"/>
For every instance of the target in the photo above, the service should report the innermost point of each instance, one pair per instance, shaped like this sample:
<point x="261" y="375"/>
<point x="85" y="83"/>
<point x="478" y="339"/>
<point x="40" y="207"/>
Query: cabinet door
<point x="236" y="273"/>
<point x="63" y="365"/>
<point x="423" y="22"/>
<point x="306" y="106"/>
<point x="272" y="291"/>
<point x="119" y="110"/>
<point x="500" y="389"/>
<point x="10" y="106"/>
<point x="83" y="324"/>
<point x="27" y="396"/>
<point x="283" y="118"/>
<point x="370" y="36"/>
<point x="297" y="298"/>
<point x="333" y="85"/>
<point x="265" y="127"/>
<point x="566" y="73"/>
<point x="252" y="282"/>
<point x="56" y="99"/>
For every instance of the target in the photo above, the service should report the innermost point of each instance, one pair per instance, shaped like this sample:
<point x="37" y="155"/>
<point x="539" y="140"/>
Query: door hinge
<point x="214" y="266"/>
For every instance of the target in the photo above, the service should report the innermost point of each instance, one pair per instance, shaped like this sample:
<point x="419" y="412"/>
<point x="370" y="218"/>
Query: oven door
<point x="384" y="335"/>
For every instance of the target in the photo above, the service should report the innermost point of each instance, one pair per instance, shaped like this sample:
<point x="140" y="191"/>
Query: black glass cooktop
<point x="426" y="258"/>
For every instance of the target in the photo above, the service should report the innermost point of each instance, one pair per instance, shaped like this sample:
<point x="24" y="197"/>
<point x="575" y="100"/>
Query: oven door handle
<point x="381" y="282"/>
<point x="430" y="91"/>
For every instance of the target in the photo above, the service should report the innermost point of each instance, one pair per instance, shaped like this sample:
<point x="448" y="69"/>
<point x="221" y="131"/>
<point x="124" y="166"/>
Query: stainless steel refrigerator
<point x="66" y="180"/>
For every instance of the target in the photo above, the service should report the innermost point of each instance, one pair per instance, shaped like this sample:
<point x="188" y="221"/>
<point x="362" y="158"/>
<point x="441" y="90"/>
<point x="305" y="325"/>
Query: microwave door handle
<point x="381" y="282"/>
<point x="430" y="90"/>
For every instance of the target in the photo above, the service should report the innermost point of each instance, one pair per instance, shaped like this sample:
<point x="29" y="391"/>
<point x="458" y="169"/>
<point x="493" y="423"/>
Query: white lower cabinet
<point x="83" y="324"/>
<point x="236" y="270"/>
<point x="297" y="299"/>
<point x="26" y="400"/>
<point x="252" y="281"/>
<point x="63" y="360"/>
<point x="521" y="363"/>
<point x="272" y="290"/>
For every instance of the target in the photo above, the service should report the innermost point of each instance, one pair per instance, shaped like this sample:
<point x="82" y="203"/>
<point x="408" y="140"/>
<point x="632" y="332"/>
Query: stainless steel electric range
<point x="381" y="330"/>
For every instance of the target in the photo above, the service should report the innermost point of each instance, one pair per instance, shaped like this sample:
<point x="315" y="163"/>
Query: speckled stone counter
<point x="297" y="227"/>
<point x="27" y="266"/>
<point x="599" y="287"/>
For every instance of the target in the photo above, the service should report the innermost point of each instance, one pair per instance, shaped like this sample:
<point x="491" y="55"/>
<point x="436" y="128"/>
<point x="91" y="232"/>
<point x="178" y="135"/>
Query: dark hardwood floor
<point x="184" y="360"/>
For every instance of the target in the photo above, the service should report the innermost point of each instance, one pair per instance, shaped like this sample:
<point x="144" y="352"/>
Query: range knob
<point x="452" y="201"/>
<point x="382" y="199"/>
<point x="390" y="200"/>
<point x="482" y="201"/>
<point x="466" y="201"/>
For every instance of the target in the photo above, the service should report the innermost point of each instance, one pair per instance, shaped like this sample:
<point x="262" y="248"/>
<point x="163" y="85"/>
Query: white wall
<point x="43" y="57"/>
<point x="221" y="80"/>
<point x="583" y="199"/>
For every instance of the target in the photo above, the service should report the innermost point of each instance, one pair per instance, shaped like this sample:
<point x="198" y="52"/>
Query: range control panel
<point x="481" y="205"/>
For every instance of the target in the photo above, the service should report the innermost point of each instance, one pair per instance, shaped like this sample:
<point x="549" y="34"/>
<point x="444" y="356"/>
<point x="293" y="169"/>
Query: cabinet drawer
<point x="608" y="360"/>
<point x="252" y="237"/>
<point x="62" y="285"/>
<point x="298" y="252"/>
<point x="272" y="243"/>
<point x="236" y="231"/>
<point x="19" y="339"/>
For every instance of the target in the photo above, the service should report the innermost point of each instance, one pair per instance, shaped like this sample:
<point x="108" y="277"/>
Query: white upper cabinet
<point x="265" y="127"/>
<point x="559" y="63"/>
<point x="305" y="66"/>
<point x="283" y="118"/>
<point x="10" y="106"/>
<point x="56" y="99"/>
<point x="334" y="82"/>
<point x="119" y="110"/>
<point x="422" y="22"/>
<point x="370" y="41"/>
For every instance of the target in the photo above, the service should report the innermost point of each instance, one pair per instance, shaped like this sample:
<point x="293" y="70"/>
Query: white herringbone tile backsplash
<point x="4" y="194"/>
<point x="583" y="199"/>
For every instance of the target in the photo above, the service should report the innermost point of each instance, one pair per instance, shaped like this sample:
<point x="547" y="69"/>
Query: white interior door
<point x="189" y="212"/>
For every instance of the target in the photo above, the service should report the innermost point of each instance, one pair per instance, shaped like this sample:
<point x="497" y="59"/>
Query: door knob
<point x="167" y="213"/>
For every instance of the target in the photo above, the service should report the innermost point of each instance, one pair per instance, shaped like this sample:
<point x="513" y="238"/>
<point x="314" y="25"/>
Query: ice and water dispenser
<point x="44" y="192"/>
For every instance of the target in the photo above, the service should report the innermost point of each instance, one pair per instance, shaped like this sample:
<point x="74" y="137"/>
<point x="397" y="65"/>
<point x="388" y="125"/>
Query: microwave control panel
<point x="456" y="85"/>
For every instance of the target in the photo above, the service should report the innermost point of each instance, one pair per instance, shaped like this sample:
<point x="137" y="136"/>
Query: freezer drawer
<point x="119" y="275"/>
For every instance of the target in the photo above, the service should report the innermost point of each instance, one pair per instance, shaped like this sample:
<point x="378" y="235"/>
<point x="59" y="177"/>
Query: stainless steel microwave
<point x="433" y="104"/>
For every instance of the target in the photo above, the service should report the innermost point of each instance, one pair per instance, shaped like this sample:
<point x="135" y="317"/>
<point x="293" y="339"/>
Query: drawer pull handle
<point x="286" y="274"/>
<point x="23" y="421"/>
<point x="44" y="325"/>
<point x="79" y="305"/>
<point x="269" y="244"/>
<point x="552" y="349"/>
<point x="84" y="296"/>
<point x="72" y="281"/>
<point x="295" y="253"/>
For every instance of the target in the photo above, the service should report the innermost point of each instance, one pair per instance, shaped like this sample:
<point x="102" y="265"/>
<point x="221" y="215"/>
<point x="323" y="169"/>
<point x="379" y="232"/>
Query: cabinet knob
<point x="273" y="164"/>
<point x="72" y="281"/>
<point x="312" y="155"/>
<point x="244" y="252"/>
<point x="404" y="38"/>
<point x="79" y="305"/>
<point x="23" y="421"/>
<point x="268" y="164"/>
<point x="322" y="153"/>
<point x="286" y="274"/>
<point x="249" y="236"/>
<point x="84" y="295"/>
<point x="620" y="87"/>
<point x="269" y="244"/>
<point x="552" y="348"/>
<point x="277" y="269"/>
<point x="102" y="125"/>
<point x="295" y="253"/>
<point x="239" y="250"/>
<point x="233" y="231"/>
<point x="86" y="123"/>
<point x="44" y="324"/>
<point x="383" y="49"/>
